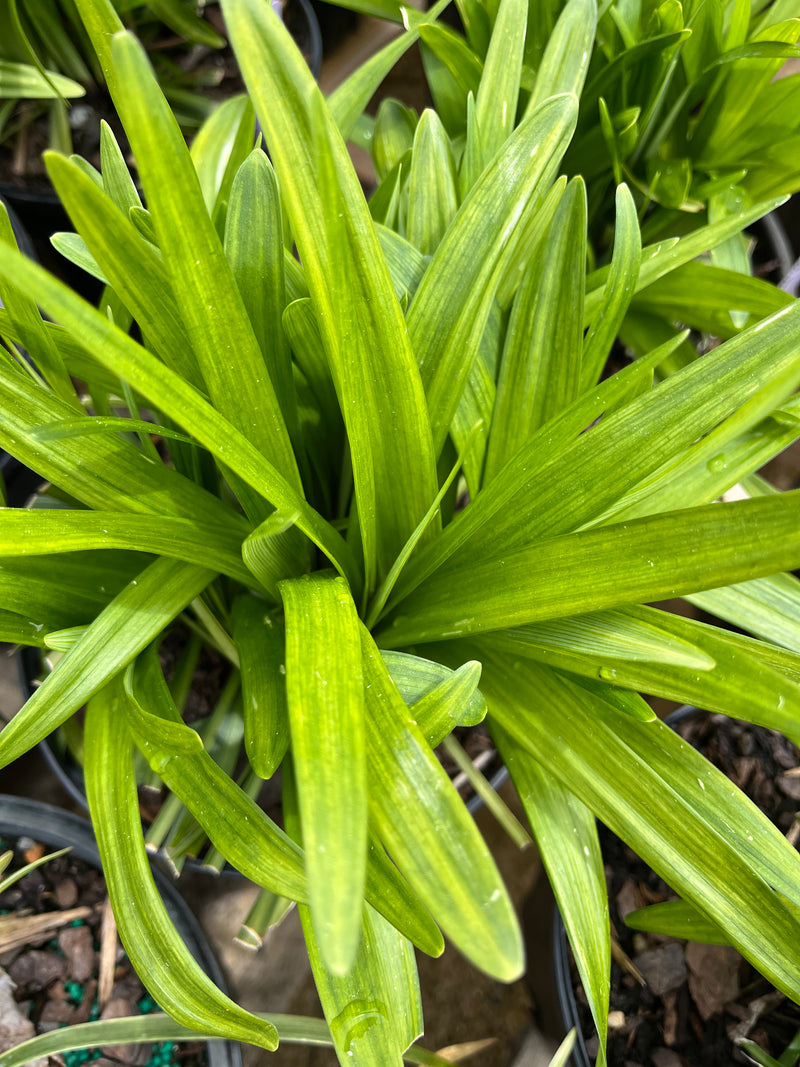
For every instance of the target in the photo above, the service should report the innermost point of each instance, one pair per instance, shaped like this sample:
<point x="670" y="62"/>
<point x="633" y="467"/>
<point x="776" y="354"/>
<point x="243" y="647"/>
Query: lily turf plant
<point x="374" y="474"/>
<point x="47" y="63"/>
<point x="680" y="101"/>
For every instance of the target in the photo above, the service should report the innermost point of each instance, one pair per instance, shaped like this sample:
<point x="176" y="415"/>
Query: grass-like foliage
<point x="361" y="451"/>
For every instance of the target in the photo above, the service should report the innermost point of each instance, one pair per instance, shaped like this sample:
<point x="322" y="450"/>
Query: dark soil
<point x="688" y="1001"/>
<point x="75" y="970"/>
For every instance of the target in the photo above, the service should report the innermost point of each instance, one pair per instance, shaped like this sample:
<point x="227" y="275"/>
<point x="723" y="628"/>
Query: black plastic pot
<point x="57" y="829"/>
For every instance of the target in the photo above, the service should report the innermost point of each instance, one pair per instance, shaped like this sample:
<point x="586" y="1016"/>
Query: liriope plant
<point x="380" y="478"/>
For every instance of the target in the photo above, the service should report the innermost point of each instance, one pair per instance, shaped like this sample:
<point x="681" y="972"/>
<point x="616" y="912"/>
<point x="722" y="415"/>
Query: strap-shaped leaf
<point x="540" y="370"/>
<point x="117" y="635"/>
<point x="325" y="695"/>
<point x="222" y="144"/>
<point x="569" y="48"/>
<point x="417" y="678"/>
<point x="430" y="835"/>
<point x="34" y="532"/>
<point x="766" y="607"/>
<point x="21" y="81"/>
<point x="168" y="970"/>
<point x="359" y="317"/>
<point x="177" y="398"/>
<point x="259" y="641"/>
<point x="566" y="836"/>
<point x="759" y="367"/>
<point x="117" y="180"/>
<point x="454" y="299"/>
<point x="676" y="918"/>
<point x="265" y="854"/>
<point x="679" y="813"/>
<point x="619" y="289"/>
<point x="209" y="303"/>
<point x="254" y="247"/>
<point x="374" y="1011"/>
<point x="292" y="1029"/>
<point x="72" y="589"/>
<point x="454" y="702"/>
<point x="626" y="563"/>
<point x="25" y="316"/>
<point x="129" y="263"/>
<point x="432" y="194"/>
<point x="498" y="93"/>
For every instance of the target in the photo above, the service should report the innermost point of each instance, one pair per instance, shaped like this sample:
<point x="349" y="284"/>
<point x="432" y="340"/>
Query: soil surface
<point x="59" y="948"/>
<point x="682" y="1004"/>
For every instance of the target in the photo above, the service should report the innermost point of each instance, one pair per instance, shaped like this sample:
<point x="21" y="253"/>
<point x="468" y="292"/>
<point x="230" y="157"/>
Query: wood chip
<point x="663" y="968"/>
<point x="108" y="955"/>
<point x="18" y="930"/>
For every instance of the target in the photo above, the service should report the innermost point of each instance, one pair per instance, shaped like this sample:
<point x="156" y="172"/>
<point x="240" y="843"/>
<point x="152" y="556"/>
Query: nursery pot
<point x="57" y="829"/>
<point x="714" y="1027"/>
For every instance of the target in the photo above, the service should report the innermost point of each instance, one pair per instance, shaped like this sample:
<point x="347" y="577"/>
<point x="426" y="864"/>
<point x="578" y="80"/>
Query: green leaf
<point x="498" y="93"/>
<point x="681" y="815"/>
<point x="222" y="144"/>
<point x="185" y="23"/>
<point x="625" y="563"/>
<point x="677" y="918"/>
<point x="541" y="364"/>
<point x="618" y="292"/>
<point x="156" y="951"/>
<point x="21" y="81"/>
<point x="430" y="835"/>
<point x="566" y="836"/>
<point x="432" y="194"/>
<point x="430" y="686"/>
<point x="265" y="855"/>
<point x="117" y="181"/>
<point x="121" y="630"/>
<point x="566" y="57"/>
<point x="128" y="263"/>
<point x="73" y="247"/>
<point x="766" y="607"/>
<point x="547" y="490"/>
<point x="358" y="314"/>
<point x="259" y="641"/>
<point x="374" y="1011"/>
<point x="254" y="248"/>
<point x="175" y="398"/>
<point x="453" y="72"/>
<point x="326" y="718"/>
<point x="25" y="532"/>
<point x="454" y="299"/>
<point x="454" y="702"/>
<point x="201" y="281"/>
<point x="27" y="321"/>
<point x="292" y="1029"/>
<point x="393" y="136"/>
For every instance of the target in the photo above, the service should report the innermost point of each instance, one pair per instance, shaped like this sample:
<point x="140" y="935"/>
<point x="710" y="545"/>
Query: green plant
<point x="46" y="60"/>
<point x="320" y="424"/>
<point x="677" y="100"/>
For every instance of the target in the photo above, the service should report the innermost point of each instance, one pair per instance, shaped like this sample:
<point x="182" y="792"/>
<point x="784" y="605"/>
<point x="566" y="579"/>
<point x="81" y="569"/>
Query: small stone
<point x="120" y="1008"/>
<point x="713" y="976"/>
<point x="665" y="1057"/>
<point x="77" y="944"/>
<point x="58" y="1011"/>
<point x="35" y="970"/>
<point x="67" y="893"/>
<point x="628" y="899"/>
<point x="789" y="785"/>
<point x="616" y="1020"/>
<point x="663" y="968"/>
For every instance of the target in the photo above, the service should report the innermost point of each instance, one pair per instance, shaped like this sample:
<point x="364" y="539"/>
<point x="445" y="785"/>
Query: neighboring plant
<point x="360" y="473"/>
<point x="788" y="1058"/>
<point x="680" y="101"/>
<point x="47" y="62"/>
